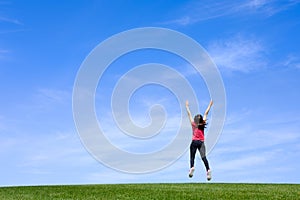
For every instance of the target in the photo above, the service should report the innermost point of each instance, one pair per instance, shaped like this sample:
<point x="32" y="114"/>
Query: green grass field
<point x="154" y="191"/>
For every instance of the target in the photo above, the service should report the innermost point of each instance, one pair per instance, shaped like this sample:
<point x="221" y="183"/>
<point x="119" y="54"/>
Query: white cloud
<point x="51" y="157"/>
<point x="247" y="149"/>
<point x="10" y="20"/>
<point x="267" y="7"/>
<point x="6" y="5"/>
<point x="186" y="20"/>
<point x="242" y="135"/>
<point x="292" y="61"/>
<point x="177" y="172"/>
<point x="48" y="153"/>
<point x="47" y="99"/>
<point x="123" y="141"/>
<point x="244" y="162"/>
<point x="197" y="11"/>
<point x="238" y="142"/>
<point x="8" y="144"/>
<point x="238" y="54"/>
<point x="54" y="95"/>
<point x="3" y="53"/>
<point x="236" y="117"/>
<point x="1" y="123"/>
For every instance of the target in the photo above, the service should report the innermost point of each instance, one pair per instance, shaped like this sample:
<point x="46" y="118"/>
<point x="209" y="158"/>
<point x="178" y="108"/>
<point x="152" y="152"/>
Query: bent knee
<point x="204" y="158"/>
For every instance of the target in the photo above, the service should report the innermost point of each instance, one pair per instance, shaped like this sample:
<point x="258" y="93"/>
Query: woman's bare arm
<point x="188" y="111"/>
<point x="207" y="110"/>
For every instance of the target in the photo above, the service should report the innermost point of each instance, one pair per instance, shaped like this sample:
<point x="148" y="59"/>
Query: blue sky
<point x="254" y="43"/>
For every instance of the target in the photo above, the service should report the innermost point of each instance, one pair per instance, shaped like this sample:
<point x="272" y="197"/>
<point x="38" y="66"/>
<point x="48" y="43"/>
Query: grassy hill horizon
<point x="154" y="191"/>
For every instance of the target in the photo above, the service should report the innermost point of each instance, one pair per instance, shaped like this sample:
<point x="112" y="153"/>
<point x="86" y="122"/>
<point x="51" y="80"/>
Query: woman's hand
<point x="187" y="103"/>
<point x="207" y="110"/>
<point x="188" y="110"/>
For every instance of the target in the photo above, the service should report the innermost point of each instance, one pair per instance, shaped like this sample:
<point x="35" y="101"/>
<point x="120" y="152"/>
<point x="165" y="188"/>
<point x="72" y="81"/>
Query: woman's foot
<point x="208" y="175"/>
<point x="191" y="172"/>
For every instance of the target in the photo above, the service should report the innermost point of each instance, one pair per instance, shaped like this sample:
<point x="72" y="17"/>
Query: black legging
<point x="198" y="144"/>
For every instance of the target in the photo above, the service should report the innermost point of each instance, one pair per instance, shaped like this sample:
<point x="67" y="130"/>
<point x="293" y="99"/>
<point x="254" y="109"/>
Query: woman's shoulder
<point x="193" y="124"/>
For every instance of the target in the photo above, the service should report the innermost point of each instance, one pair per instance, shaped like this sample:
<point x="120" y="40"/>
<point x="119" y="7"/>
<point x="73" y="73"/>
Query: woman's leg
<point x="193" y="149"/>
<point x="203" y="156"/>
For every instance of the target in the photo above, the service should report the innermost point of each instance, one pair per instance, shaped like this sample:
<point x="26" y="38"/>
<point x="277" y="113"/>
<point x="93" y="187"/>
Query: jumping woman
<point x="198" y="125"/>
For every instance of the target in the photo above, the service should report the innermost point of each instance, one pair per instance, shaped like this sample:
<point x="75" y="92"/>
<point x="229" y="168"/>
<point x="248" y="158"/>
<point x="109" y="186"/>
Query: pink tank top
<point x="197" y="134"/>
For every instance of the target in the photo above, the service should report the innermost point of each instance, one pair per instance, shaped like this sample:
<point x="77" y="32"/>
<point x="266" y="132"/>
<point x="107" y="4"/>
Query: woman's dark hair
<point x="201" y="124"/>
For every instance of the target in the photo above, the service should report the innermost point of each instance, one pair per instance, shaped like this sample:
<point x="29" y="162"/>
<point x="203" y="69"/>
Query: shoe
<point x="191" y="172"/>
<point x="208" y="175"/>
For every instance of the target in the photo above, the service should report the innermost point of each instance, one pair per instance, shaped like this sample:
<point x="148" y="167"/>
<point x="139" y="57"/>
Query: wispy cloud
<point x="291" y="60"/>
<point x="197" y="11"/>
<point x="243" y="162"/>
<point x="243" y="152"/>
<point x="267" y="7"/>
<point x="54" y="95"/>
<point x="238" y="53"/>
<point x="10" y="20"/>
<point x="180" y="168"/>
<point x="12" y="31"/>
<point x="234" y="138"/>
<point x="66" y="147"/>
<point x="45" y="99"/>
<point x="4" y="17"/>
<point x="3" y="53"/>
<point x="1" y="122"/>
<point x="117" y="136"/>
<point x="40" y="156"/>
<point x="236" y="117"/>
